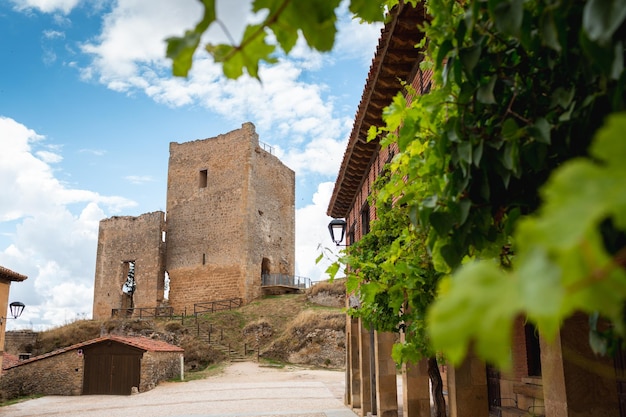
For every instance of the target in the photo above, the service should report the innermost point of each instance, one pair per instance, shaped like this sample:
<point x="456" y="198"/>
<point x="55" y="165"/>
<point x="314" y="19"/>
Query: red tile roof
<point x="143" y="343"/>
<point x="9" y="360"/>
<point x="7" y="274"/>
<point x="395" y="59"/>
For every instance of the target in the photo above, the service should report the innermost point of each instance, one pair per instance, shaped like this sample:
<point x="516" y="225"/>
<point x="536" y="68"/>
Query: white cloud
<point x="52" y="229"/>
<point x="139" y="179"/>
<point x="53" y="34"/>
<point x="312" y="236"/>
<point x="46" y="6"/>
<point x="49" y="157"/>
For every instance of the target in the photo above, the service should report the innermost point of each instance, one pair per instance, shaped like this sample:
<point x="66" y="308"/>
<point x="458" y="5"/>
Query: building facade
<point x="230" y="218"/>
<point x="6" y="278"/>
<point x="109" y="365"/>
<point x="560" y="378"/>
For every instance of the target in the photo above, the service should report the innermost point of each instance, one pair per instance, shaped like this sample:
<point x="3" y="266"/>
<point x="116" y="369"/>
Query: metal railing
<point x="285" y="280"/>
<point x="143" y="313"/>
<point x="219" y="305"/>
<point x="266" y="147"/>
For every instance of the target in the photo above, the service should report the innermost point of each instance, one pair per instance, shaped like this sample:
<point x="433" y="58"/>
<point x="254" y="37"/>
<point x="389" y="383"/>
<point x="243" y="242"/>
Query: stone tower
<point x="230" y="218"/>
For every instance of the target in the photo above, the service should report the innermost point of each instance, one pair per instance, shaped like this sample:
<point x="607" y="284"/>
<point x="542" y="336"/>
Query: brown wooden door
<point x="111" y="370"/>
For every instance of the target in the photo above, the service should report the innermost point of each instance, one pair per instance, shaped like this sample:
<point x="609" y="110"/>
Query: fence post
<point x="197" y="327"/>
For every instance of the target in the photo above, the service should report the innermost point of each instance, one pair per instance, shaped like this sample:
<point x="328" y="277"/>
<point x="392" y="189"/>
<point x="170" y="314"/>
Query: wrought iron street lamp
<point x="16" y="310"/>
<point x="337" y="229"/>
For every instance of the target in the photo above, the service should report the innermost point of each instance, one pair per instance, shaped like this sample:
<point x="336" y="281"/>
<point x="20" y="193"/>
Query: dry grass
<point x="336" y="287"/>
<point x="260" y="325"/>
<point x="64" y="336"/>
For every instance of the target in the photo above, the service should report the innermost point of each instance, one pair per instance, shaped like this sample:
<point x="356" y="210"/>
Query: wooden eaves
<point x="396" y="57"/>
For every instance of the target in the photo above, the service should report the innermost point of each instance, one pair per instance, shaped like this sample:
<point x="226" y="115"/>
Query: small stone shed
<point x="107" y="365"/>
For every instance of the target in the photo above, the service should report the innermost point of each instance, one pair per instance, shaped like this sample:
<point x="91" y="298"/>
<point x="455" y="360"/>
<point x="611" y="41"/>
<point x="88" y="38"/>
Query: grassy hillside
<point x="286" y="328"/>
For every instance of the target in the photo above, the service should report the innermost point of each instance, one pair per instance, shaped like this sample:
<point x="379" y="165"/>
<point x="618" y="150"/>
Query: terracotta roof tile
<point x="7" y="274"/>
<point x="9" y="360"/>
<point x="143" y="343"/>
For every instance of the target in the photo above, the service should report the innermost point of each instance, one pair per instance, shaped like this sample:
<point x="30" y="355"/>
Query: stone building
<point x="107" y="365"/>
<point x="230" y="218"/>
<point x="6" y="277"/>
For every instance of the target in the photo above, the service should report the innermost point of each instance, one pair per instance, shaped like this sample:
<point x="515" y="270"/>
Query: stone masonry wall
<point x="19" y="341"/>
<point x="229" y="205"/>
<point x="203" y="283"/>
<point x="37" y="377"/>
<point x="157" y="367"/>
<point x="128" y="238"/>
<point x="230" y="211"/>
<point x="271" y="216"/>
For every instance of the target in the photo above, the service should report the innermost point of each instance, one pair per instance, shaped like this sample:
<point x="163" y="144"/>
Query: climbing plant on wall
<point x="510" y="169"/>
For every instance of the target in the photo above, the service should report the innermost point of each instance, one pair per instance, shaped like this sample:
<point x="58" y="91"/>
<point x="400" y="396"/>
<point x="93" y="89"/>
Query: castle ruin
<point x="230" y="219"/>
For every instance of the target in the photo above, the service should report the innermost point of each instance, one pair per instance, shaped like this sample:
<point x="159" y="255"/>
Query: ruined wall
<point x="216" y="236"/>
<point x="230" y="210"/>
<point x="123" y="239"/>
<point x="20" y="341"/>
<point x="271" y="217"/>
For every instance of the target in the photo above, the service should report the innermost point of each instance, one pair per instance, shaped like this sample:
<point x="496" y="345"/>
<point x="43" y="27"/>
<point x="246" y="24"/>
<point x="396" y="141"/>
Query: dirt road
<point x="243" y="389"/>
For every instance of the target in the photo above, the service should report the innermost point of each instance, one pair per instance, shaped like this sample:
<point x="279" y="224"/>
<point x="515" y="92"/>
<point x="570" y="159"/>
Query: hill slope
<point x="307" y="328"/>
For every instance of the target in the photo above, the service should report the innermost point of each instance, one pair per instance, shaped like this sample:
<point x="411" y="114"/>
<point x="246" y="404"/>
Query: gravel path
<point x="243" y="389"/>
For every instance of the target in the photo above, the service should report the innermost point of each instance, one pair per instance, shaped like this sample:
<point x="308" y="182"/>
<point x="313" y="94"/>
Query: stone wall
<point x="19" y="341"/>
<point x="271" y="220"/>
<point x="203" y="283"/>
<point x="127" y="238"/>
<point x="157" y="367"/>
<point x="60" y="374"/>
<point x="230" y="214"/>
<point x="230" y="205"/>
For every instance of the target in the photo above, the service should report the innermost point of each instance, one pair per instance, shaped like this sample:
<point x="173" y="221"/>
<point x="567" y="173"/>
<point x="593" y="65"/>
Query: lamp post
<point x="337" y="229"/>
<point x="16" y="310"/>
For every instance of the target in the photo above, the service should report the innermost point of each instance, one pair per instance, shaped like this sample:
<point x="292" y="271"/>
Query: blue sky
<point x="88" y="109"/>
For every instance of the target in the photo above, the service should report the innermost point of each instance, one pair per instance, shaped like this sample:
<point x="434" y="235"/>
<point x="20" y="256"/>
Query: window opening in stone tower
<point x="129" y="286"/>
<point x="203" y="178"/>
<point x="265" y="269"/>
<point x="166" y="286"/>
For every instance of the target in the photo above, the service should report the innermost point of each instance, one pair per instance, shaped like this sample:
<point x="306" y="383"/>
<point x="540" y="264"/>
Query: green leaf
<point x="508" y="15"/>
<point x="541" y="292"/>
<point x="485" y="92"/>
<point x="464" y="150"/>
<point x="541" y="131"/>
<point x="601" y="18"/>
<point x="477" y="153"/>
<point x="369" y="11"/>
<point x="442" y="221"/>
<point x="549" y="31"/>
<point x="319" y="258"/>
<point x="465" y="313"/>
<point x="469" y="57"/>
<point x="181" y="49"/>
<point x="333" y="269"/>
<point x="443" y="50"/>
<point x="236" y="59"/>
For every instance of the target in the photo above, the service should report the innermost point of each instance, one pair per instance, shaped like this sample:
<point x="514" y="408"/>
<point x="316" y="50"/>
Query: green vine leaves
<point x="284" y="22"/>
<point x="562" y="265"/>
<point x="509" y="111"/>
